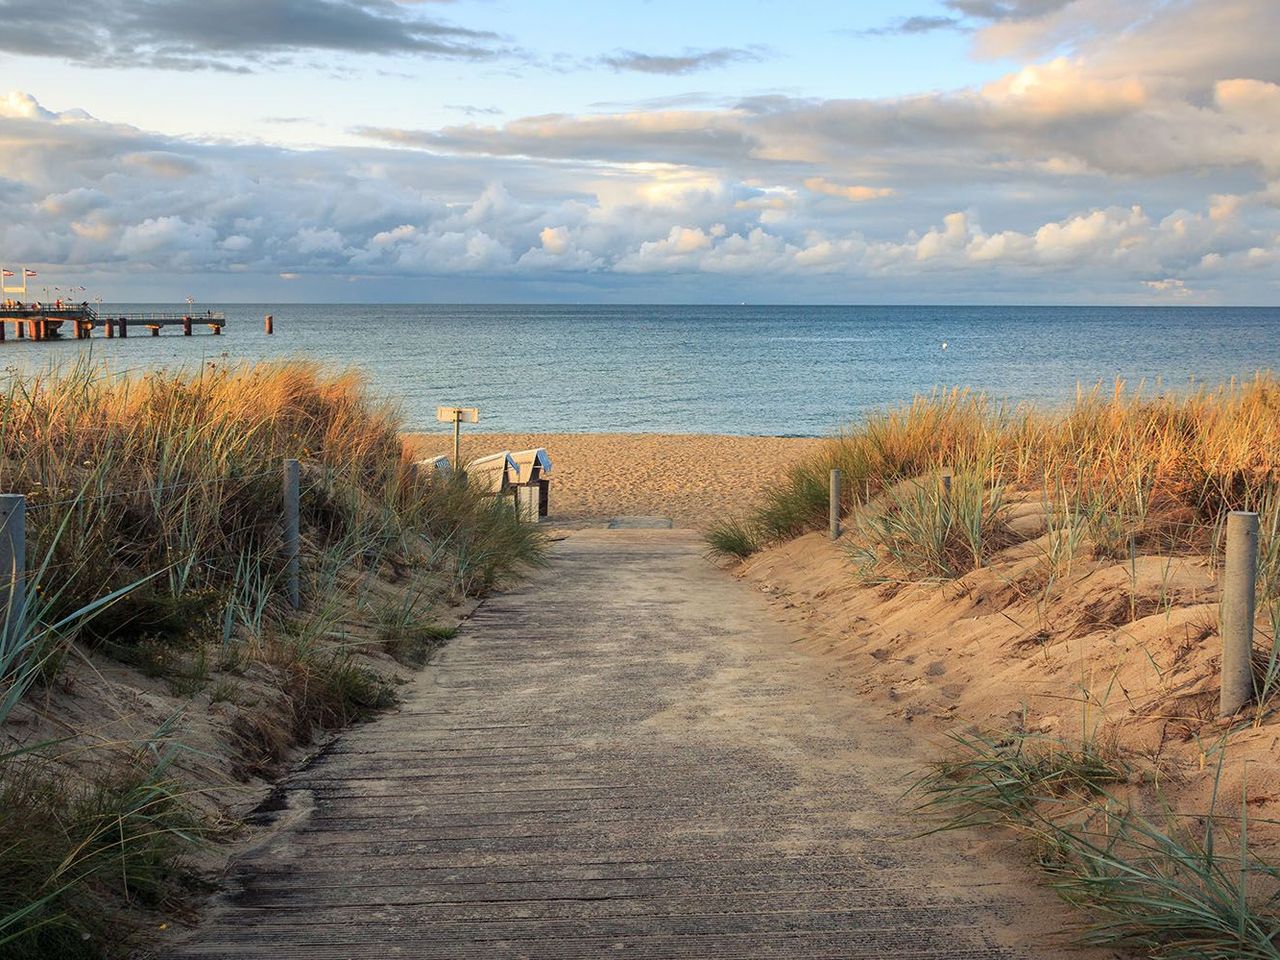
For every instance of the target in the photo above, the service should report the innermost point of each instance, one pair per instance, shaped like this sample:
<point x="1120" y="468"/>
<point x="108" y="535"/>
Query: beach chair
<point x="533" y="492"/>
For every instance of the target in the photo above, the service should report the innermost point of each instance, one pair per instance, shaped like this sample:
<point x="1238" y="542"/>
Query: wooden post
<point x="1239" y="579"/>
<point x="124" y="328"/>
<point x="22" y="329"/>
<point x="13" y="563"/>
<point x="111" y="329"/>
<point x="293" y="589"/>
<point x="833" y="506"/>
<point x="3" y="325"/>
<point x="946" y="482"/>
<point x="155" y="329"/>
<point x="270" y="323"/>
<point x="186" y="326"/>
<point x="457" y="441"/>
<point x="216" y="328"/>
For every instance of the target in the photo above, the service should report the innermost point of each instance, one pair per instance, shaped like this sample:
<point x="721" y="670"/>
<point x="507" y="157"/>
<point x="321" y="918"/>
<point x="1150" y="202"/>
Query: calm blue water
<point x="746" y="370"/>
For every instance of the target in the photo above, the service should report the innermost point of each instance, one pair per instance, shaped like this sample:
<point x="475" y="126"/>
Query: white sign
<point x="458" y="414"/>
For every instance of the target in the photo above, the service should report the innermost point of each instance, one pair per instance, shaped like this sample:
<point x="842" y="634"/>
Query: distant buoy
<point x="944" y="344"/>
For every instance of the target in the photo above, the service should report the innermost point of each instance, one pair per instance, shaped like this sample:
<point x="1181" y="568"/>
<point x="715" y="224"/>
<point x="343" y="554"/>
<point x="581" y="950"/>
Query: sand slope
<point x="1126" y="652"/>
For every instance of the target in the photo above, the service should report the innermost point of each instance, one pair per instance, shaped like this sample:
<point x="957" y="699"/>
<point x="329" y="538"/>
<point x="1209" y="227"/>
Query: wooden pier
<point x="47" y="323"/>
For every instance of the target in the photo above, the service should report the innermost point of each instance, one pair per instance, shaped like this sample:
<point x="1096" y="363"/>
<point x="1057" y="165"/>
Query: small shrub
<point x="927" y="533"/>
<point x="415" y="645"/>
<point x="74" y="859"/>
<point x="733" y="538"/>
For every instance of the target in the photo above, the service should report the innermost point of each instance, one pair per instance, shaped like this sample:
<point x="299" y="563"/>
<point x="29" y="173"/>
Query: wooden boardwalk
<point x="622" y="758"/>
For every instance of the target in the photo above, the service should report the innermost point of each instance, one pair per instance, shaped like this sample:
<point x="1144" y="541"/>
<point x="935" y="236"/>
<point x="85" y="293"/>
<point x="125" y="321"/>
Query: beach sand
<point x="692" y="478"/>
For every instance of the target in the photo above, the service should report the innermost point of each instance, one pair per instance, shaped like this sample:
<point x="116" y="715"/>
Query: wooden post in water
<point x="124" y="328"/>
<point x="270" y="324"/>
<point x="833" y="505"/>
<point x="154" y="328"/>
<point x="111" y="328"/>
<point x="3" y="326"/>
<point x="22" y="329"/>
<point x="13" y="563"/>
<point x="186" y="326"/>
<point x="1239" y="579"/>
<point x="292" y="474"/>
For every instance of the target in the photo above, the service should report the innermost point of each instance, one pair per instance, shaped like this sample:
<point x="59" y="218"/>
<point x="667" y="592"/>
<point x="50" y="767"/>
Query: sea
<point x="760" y="370"/>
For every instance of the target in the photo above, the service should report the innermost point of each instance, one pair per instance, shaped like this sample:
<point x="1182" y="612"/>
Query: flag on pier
<point x="29" y="273"/>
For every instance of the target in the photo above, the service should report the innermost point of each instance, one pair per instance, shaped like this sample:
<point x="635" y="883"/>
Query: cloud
<point x="851" y="192"/>
<point x="227" y="34"/>
<point x="907" y="26"/>
<point x="691" y="61"/>
<point x="968" y="15"/>
<point x="473" y="111"/>
<point x="1070" y="177"/>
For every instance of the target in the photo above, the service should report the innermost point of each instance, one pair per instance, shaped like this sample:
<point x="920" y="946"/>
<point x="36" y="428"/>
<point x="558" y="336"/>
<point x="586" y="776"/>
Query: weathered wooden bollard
<point x="124" y="328"/>
<point x="154" y="328"/>
<point x="186" y="326"/>
<point x="13" y="563"/>
<point x="111" y="328"/>
<point x="1239" y="580"/>
<point x="833" y="506"/>
<point x="946" y="481"/>
<point x="3" y="326"/>
<point x="292" y="474"/>
<point x="269" y="322"/>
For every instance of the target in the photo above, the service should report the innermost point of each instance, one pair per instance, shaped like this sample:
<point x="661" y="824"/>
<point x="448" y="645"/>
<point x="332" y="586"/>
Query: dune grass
<point x="1178" y="889"/>
<point x="154" y="521"/>
<point x="1164" y="465"/>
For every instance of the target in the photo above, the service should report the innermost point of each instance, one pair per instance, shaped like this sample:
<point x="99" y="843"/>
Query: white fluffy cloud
<point x="1136" y="154"/>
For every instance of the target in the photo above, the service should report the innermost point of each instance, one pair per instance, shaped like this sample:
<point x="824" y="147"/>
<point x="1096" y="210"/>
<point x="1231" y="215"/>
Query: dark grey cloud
<point x="690" y="61"/>
<point x="1000" y="10"/>
<point x="964" y="15"/>
<point x="912" y="25"/>
<point x="227" y="34"/>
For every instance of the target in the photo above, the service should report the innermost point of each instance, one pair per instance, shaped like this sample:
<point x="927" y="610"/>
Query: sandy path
<point x="691" y="478"/>
<point x="627" y="756"/>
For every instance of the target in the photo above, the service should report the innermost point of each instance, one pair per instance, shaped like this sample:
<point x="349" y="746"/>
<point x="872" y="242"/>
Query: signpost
<point x="457" y="416"/>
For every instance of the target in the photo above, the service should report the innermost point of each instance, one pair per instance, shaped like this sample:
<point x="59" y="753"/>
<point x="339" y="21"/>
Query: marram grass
<point x="1179" y="458"/>
<point x="154" y="533"/>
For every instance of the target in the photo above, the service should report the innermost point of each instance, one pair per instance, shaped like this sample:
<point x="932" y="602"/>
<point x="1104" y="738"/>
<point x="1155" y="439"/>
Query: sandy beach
<point x="691" y="478"/>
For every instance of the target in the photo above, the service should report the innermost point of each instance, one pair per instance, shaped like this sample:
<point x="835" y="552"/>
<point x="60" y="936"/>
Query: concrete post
<point x="833" y="507"/>
<point x="292" y="546"/>
<point x="13" y="564"/>
<point x="1239" y="577"/>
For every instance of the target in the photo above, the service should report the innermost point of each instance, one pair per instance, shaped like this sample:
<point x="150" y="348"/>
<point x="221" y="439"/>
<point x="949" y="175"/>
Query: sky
<point x="923" y="151"/>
